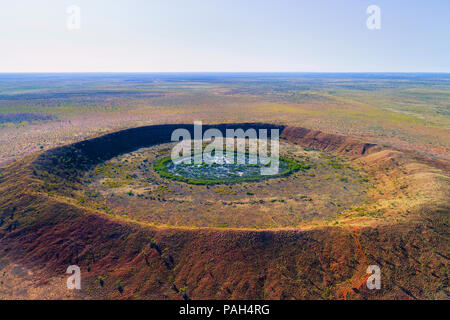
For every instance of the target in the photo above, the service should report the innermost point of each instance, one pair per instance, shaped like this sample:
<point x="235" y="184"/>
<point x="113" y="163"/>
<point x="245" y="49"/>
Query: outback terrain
<point x="78" y="186"/>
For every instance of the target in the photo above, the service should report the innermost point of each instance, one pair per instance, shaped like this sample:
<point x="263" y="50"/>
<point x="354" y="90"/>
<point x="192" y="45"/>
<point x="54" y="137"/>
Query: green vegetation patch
<point x="222" y="173"/>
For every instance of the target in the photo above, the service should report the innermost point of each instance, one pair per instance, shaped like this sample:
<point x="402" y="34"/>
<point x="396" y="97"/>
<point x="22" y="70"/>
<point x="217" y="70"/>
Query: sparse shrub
<point x="101" y="280"/>
<point x="222" y="225"/>
<point x="119" y="286"/>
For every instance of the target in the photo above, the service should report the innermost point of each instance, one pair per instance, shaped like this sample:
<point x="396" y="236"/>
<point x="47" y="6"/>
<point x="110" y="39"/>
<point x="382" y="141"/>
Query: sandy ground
<point x="18" y="282"/>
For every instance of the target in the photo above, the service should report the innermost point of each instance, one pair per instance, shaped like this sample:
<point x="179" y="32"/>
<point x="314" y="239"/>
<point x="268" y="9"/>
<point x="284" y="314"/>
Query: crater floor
<point x="129" y="186"/>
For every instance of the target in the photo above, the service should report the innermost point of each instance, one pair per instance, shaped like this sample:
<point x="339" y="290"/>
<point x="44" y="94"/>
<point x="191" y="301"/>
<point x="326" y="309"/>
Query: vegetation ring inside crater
<point x="222" y="169"/>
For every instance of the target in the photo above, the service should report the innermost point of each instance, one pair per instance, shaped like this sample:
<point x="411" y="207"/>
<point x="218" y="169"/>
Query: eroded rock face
<point x="328" y="142"/>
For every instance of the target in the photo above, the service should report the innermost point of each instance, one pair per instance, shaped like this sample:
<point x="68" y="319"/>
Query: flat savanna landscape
<point x="407" y="111"/>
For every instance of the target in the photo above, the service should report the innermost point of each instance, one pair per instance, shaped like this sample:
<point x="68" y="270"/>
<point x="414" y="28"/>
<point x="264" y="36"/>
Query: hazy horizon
<point x="236" y="72"/>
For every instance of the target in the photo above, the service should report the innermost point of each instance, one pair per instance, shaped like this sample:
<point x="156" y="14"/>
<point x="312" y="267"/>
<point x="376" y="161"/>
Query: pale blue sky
<point x="227" y="35"/>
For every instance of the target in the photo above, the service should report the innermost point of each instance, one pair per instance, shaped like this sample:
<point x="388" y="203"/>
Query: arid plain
<point x="374" y="189"/>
